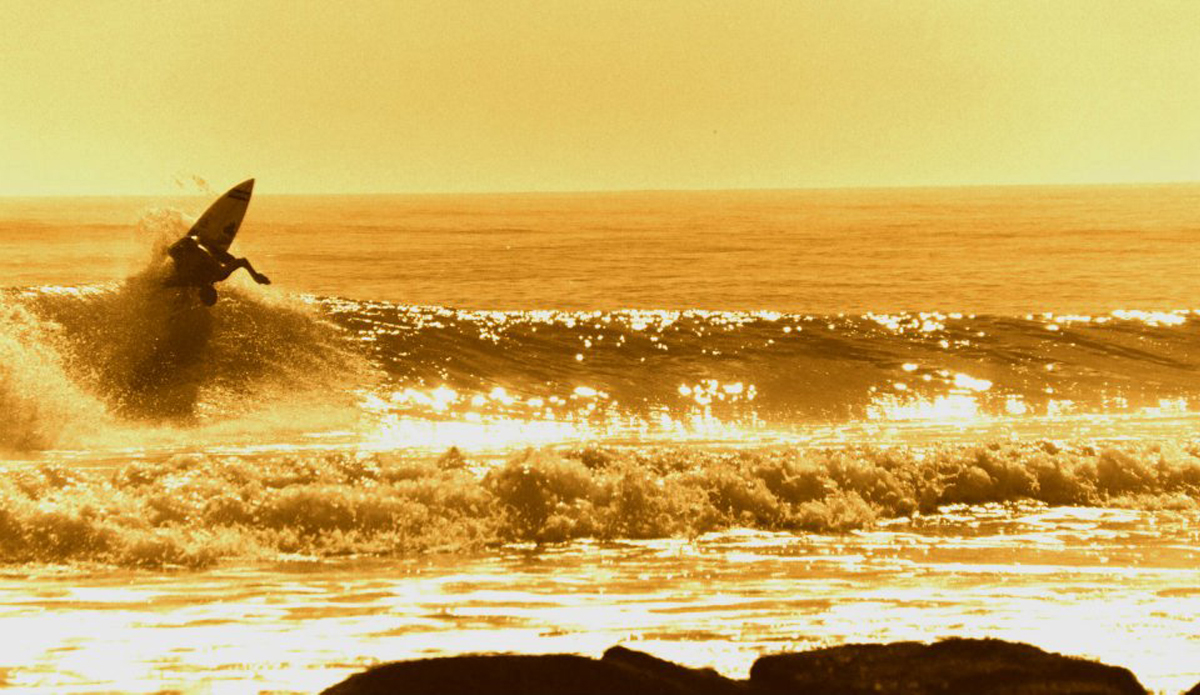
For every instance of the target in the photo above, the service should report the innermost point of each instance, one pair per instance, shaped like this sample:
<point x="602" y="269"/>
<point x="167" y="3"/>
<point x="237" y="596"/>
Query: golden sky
<point x="126" y="97"/>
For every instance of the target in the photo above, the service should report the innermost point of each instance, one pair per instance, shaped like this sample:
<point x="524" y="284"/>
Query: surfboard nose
<point x="240" y="192"/>
<point x="243" y="190"/>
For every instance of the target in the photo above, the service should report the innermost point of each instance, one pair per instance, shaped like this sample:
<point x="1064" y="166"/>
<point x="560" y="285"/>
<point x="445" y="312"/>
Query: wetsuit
<point x="197" y="265"/>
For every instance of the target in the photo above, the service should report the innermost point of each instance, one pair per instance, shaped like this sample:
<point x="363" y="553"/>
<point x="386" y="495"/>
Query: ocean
<point x="706" y="425"/>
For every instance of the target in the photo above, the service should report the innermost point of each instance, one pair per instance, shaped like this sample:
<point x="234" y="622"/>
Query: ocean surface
<point x="706" y="425"/>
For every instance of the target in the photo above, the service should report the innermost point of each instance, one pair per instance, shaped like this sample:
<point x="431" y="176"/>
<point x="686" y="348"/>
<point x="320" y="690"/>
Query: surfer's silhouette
<point x="198" y="265"/>
<point x="202" y="258"/>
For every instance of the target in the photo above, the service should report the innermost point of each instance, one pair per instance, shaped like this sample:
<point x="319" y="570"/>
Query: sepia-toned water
<point x="708" y="425"/>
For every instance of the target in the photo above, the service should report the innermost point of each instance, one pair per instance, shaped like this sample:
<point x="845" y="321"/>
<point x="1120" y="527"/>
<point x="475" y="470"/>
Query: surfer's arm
<point x="229" y="266"/>
<point x="230" y="263"/>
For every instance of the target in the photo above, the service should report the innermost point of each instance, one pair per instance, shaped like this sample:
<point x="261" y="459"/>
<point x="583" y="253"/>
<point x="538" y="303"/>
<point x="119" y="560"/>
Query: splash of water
<point x="136" y="363"/>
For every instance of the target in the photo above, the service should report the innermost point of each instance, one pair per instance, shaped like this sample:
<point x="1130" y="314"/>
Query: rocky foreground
<point x="950" y="667"/>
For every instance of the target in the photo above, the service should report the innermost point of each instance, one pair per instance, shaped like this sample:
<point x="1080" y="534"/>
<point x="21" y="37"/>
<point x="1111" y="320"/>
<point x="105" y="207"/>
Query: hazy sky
<point x="125" y="97"/>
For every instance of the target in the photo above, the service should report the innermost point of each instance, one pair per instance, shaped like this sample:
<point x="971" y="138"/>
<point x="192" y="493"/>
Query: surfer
<point x="199" y="265"/>
<point x="201" y="258"/>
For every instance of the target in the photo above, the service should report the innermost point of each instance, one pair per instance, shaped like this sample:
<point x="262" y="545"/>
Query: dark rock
<point x="1194" y="691"/>
<point x="704" y="681"/>
<point x="952" y="667"/>
<point x="980" y="667"/>
<point x="551" y="674"/>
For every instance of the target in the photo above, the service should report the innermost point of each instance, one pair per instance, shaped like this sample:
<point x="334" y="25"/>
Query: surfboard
<point x="219" y="224"/>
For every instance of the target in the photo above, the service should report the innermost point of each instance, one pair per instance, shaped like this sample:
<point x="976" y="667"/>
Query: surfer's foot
<point x="262" y="279"/>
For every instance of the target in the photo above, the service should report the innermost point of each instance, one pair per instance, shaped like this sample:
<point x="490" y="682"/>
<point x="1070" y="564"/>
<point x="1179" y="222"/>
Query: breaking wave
<point x="132" y="363"/>
<point x="195" y="510"/>
<point x="83" y="364"/>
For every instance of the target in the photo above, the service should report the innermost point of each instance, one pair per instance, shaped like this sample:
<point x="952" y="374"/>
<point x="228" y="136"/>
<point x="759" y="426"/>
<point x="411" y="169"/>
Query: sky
<point x="119" y="97"/>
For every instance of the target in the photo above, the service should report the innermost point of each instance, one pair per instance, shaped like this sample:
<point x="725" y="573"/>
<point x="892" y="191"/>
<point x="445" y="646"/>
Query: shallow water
<point x="1080" y="580"/>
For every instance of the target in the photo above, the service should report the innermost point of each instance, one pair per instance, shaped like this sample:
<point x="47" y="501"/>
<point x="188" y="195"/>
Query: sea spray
<point x="39" y="405"/>
<point x="144" y="364"/>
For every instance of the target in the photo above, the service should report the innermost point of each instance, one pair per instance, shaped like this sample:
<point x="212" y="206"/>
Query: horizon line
<point x="618" y="191"/>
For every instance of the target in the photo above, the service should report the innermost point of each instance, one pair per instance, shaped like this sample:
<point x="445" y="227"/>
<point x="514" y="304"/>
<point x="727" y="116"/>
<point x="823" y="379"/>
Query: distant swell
<point x="196" y="510"/>
<point x="777" y="369"/>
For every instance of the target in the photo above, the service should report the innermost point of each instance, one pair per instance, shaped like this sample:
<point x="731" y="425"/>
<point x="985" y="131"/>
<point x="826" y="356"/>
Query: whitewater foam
<point x="197" y="509"/>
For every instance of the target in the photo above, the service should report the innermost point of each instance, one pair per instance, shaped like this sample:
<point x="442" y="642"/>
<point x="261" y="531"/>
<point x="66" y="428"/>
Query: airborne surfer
<point x="202" y="257"/>
<point x="197" y="265"/>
